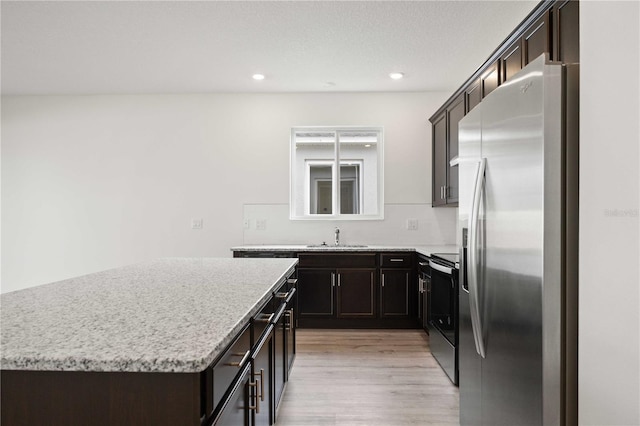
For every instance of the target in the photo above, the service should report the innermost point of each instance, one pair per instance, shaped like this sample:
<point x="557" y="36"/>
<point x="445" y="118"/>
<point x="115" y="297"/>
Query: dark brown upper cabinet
<point x="445" y="149"/>
<point x="552" y="28"/>
<point x="455" y="113"/>
<point x="472" y="95"/>
<point x="511" y="61"/>
<point x="567" y="36"/>
<point x="439" y="160"/>
<point x="490" y="79"/>
<point x="536" y="39"/>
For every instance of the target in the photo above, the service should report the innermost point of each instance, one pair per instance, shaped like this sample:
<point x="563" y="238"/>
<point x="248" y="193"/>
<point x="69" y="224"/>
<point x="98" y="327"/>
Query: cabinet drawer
<point x="230" y="364"/>
<point x="338" y="260"/>
<point x="396" y="260"/>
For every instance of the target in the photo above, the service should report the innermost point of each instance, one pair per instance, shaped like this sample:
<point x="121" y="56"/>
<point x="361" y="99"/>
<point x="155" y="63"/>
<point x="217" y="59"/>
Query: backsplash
<point x="270" y="224"/>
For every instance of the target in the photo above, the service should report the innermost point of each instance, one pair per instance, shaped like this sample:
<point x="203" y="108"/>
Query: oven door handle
<point x="443" y="269"/>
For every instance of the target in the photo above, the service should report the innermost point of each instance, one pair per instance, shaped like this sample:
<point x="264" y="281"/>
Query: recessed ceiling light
<point x="258" y="76"/>
<point x="396" y="75"/>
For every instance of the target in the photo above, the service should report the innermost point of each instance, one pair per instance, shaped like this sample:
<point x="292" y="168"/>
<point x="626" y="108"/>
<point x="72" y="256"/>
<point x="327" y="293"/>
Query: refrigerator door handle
<point x="472" y="267"/>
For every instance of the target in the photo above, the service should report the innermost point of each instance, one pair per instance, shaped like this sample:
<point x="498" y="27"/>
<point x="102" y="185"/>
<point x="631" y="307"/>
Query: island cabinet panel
<point x="226" y="369"/>
<point x="100" y="398"/>
<point x="261" y="392"/>
<point x="237" y="409"/>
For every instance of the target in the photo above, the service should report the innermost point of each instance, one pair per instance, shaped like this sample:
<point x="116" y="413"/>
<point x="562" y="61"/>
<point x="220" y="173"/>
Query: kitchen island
<point x="133" y="345"/>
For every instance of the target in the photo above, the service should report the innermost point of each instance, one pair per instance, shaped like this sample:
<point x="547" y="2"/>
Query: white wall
<point x="609" y="373"/>
<point x="94" y="182"/>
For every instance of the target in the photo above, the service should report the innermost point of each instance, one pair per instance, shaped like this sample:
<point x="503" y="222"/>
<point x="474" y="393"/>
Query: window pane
<point x="361" y="147"/>
<point x="349" y="189"/>
<point x="321" y="190"/>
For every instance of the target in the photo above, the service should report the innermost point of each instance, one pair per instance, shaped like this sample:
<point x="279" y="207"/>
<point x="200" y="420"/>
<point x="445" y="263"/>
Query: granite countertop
<point x="426" y="250"/>
<point x="167" y="315"/>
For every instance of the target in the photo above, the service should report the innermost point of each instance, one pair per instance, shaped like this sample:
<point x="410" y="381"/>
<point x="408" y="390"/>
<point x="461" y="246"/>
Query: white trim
<point x="336" y="130"/>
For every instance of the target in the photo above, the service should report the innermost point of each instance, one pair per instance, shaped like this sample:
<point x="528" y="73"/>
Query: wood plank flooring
<point x="367" y="377"/>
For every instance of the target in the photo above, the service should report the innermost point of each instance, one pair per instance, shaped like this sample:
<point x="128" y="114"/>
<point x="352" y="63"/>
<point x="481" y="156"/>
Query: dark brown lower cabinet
<point x="316" y="293"/>
<point x="100" y="398"/>
<point x="261" y="383"/>
<point x="355" y="296"/>
<point x="237" y="408"/>
<point x="396" y="291"/>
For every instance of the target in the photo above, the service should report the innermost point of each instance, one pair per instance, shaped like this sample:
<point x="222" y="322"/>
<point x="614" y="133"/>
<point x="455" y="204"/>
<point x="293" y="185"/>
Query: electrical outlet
<point x="412" y="224"/>
<point x="196" y="224"/>
<point x="261" y="224"/>
<point x="246" y="224"/>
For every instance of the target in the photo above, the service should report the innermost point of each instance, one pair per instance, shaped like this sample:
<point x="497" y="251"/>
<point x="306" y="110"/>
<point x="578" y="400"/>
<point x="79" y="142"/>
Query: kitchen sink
<point x="338" y="246"/>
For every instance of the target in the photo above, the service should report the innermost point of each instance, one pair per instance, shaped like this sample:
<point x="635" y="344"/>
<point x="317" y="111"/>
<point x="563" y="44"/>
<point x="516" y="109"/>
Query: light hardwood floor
<point x="367" y="377"/>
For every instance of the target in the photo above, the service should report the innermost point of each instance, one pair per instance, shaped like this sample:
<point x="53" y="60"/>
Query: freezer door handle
<point x="472" y="267"/>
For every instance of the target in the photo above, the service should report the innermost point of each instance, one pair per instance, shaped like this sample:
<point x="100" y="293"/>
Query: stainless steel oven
<point x="442" y="311"/>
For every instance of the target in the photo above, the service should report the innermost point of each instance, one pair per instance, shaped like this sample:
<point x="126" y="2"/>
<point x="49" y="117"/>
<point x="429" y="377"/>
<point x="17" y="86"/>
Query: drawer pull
<point x="288" y="325"/>
<point x="242" y="360"/>
<point x="281" y="295"/>
<point x="262" y="384"/>
<point x="396" y="260"/>
<point x="256" y="406"/>
<point x="423" y="263"/>
<point x="264" y="317"/>
<point x="292" y="281"/>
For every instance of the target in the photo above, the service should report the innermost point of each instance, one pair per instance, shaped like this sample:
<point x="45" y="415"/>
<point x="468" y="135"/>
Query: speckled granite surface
<point x="167" y="315"/>
<point x="427" y="250"/>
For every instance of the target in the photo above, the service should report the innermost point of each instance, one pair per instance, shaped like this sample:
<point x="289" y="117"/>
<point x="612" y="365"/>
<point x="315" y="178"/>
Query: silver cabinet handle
<point x="338" y="280"/>
<point x="333" y="279"/>
<point x="242" y="360"/>
<point x="423" y="263"/>
<point x="264" y="317"/>
<point x="472" y="268"/>
<point x="382" y="280"/>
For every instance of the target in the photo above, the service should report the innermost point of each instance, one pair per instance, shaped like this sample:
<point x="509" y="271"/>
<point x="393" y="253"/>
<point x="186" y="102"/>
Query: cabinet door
<point x="511" y="60"/>
<point x="262" y="381"/>
<point x="395" y="292"/>
<point x="473" y="95"/>
<point x="279" y="358"/>
<point x="536" y="40"/>
<point x="455" y="113"/>
<point x="235" y="411"/>
<point x="490" y="80"/>
<point x="439" y="160"/>
<point x="315" y="292"/>
<point x="290" y="335"/>
<point x="356" y="293"/>
<point x="567" y="43"/>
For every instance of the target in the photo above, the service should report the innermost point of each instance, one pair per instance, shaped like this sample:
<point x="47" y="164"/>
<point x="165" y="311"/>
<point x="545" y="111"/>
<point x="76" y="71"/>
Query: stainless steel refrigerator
<point x="517" y="233"/>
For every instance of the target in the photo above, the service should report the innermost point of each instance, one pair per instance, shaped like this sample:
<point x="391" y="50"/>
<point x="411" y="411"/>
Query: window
<point x="336" y="173"/>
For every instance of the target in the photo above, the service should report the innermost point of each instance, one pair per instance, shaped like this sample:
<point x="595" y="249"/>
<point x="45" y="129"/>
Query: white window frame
<point x="336" y="215"/>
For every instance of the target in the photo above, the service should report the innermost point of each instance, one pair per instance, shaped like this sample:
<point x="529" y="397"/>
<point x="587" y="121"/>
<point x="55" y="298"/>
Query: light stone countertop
<point x="426" y="250"/>
<point x="167" y="315"/>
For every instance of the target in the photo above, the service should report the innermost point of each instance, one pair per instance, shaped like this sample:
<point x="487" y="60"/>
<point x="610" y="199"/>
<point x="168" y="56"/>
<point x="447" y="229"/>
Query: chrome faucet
<point x="337" y="233"/>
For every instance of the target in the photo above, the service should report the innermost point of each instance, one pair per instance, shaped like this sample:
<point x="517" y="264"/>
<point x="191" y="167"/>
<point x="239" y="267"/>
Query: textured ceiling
<point x="92" y="47"/>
